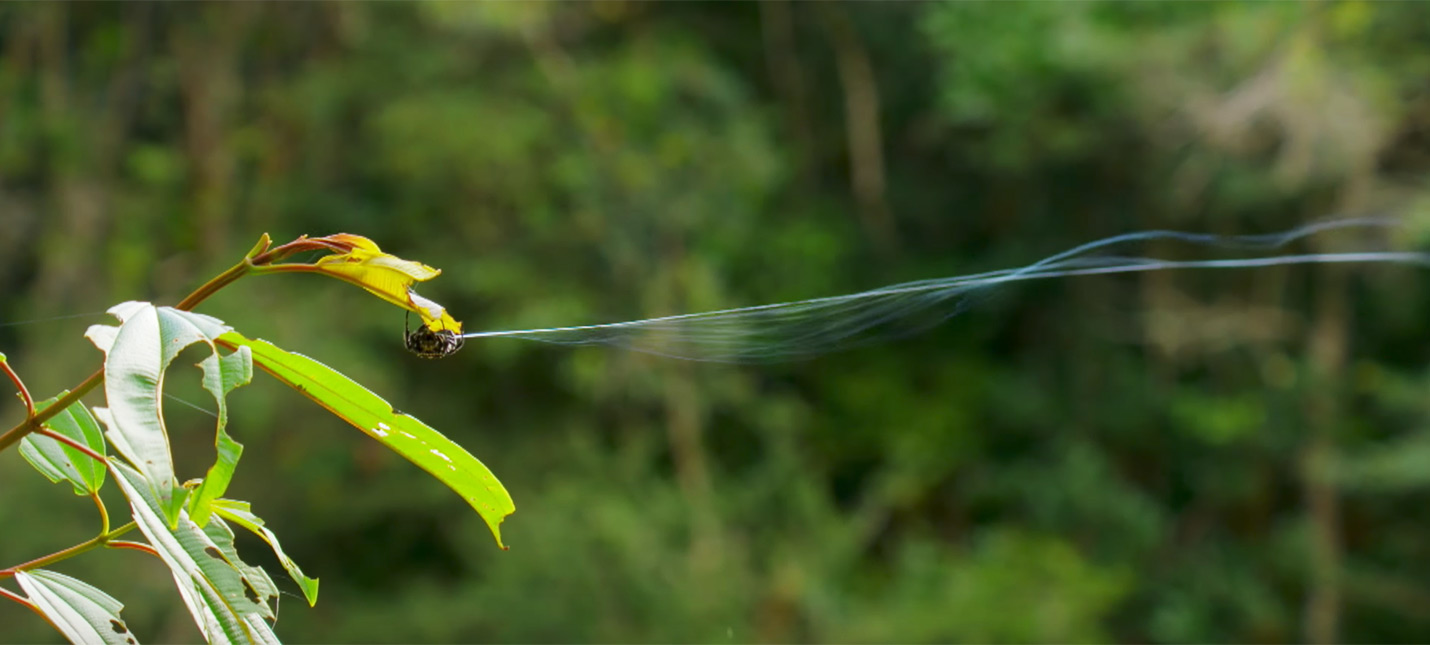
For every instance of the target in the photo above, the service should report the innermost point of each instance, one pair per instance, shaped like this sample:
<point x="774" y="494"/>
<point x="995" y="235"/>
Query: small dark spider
<point x="430" y="344"/>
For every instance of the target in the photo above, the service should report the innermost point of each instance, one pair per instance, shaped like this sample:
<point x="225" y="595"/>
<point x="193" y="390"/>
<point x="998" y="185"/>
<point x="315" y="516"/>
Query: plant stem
<point x="36" y="419"/>
<point x="137" y="546"/>
<point x="87" y="545"/>
<point x="103" y="512"/>
<point x="89" y="452"/>
<point x="220" y="281"/>
<point x="6" y="593"/>
<point x="19" y="385"/>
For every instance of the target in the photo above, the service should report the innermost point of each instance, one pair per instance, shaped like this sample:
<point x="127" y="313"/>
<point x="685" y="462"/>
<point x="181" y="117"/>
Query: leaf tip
<point x="263" y="243"/>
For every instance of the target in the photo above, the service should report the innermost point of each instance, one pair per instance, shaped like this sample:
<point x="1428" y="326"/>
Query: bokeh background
<point x="1194" y="457"/>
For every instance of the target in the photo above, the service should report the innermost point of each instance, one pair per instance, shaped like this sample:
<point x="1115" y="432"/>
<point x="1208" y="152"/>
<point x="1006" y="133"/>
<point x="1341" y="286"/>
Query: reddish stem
<point x="35" y="420"/>
<point x="73" y="444"/>
<point x="136" y="546"/>
<point x="19" y="385"/>
<point x="6" y="593"/>
<point x="303" y="243"/>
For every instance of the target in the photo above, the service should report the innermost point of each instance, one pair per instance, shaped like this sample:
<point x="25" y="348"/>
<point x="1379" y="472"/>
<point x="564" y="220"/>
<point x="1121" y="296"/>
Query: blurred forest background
<point x="1211" y="457"/>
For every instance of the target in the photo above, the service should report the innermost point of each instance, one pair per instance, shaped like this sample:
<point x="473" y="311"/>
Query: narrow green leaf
<point x="258" y="587"/>
<point x="138" y="354"/>
<point x="212" y="586"/>
<point x="240" y="514"/>
<point x="81" y="612"/>
<point x="60" y="462"/>
<point x="448" y="462"/>
<point x="221" y="376"/>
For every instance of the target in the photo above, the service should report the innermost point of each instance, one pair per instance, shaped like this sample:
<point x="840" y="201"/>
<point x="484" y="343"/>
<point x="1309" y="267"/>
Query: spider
<point x="430" y="344"/>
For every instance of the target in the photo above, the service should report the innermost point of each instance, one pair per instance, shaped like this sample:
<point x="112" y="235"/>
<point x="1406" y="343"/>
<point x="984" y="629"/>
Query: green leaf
<point x="257" y="586"/>
<point x="81" y="612"/>
<point x="60" y="462"/>
<point x="221" y="376"/>
<point x="240" y="513"/>
<point x="138" y="353"/>
<point x="218" y="594"/>
<point x="448" y="462"/>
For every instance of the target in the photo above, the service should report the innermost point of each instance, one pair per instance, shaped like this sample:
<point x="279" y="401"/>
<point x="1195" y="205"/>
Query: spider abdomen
<point x="433" y="344"/>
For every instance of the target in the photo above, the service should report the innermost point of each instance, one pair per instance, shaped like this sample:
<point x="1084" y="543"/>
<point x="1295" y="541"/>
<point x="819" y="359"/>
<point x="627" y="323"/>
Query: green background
<point x="1179" y="457"/>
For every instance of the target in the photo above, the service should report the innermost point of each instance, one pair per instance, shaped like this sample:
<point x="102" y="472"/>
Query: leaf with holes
<point x="419" y="443"/>
<point x="58" y="461"/>
<point x="221" y="376"/>
<point x="138" y="354"/>
<point x="240" y="514"/>
<point x="81" y="612"/>
<point x="218" y="593"/>
<point x="258" y="588"/>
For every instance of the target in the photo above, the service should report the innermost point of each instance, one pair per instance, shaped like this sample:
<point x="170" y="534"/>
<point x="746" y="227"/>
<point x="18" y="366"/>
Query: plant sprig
<point x="187" y="526"/>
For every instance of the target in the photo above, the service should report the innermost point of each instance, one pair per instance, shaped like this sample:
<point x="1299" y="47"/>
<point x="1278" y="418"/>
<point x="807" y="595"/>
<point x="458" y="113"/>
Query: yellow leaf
<point x="384" y="275"/>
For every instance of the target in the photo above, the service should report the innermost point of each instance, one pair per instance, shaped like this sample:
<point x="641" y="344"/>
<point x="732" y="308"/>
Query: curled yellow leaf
<point x="358" y="260"/>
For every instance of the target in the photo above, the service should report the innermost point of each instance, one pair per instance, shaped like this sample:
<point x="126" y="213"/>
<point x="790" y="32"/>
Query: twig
<point x="35" y="420"/>
<point x="87" y="545"/>
<point x="19" y="385"/>
<point x="136" y="546"/>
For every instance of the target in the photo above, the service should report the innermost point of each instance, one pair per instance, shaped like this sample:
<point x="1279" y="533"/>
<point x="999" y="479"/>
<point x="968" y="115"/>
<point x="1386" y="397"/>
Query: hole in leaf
<point x="117" y="626"/>
<point x="213" y="553"/>
<point x="250" y="593"/>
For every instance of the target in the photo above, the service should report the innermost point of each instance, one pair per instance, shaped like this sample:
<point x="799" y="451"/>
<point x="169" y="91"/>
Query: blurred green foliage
<point x="1193" y="457"/>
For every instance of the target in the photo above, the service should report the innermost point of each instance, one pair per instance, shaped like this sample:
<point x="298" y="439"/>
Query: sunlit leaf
<point x="258" y="587"/>
<point x="240" y="513"/>
<point x="221" y="376"/>
<point x="409" y="437"/>
<point x="382" y="274"/>
<point x="216" y="591"/>
<point x="60" y="462"/>
<point x="81" y="612"/>
<point x="138" y="354"/>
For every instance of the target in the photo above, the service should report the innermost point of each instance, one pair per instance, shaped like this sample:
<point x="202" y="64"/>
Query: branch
<point x="37" y="419"/>
<point x="87" y="545"/>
